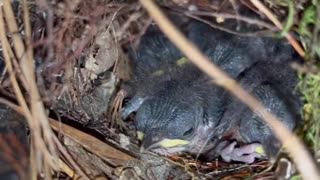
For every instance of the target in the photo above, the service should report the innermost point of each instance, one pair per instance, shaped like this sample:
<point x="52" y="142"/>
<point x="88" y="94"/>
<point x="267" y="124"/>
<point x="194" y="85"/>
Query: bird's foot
<point x="246" y="153"/>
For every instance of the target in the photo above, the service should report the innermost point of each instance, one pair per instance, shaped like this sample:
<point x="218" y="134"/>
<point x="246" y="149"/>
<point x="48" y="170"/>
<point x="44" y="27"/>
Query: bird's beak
<point x="154" y="142"/>
<point x="140" y="135"/>
<point x="260" y="150"/>
<point x="167" y="143"/>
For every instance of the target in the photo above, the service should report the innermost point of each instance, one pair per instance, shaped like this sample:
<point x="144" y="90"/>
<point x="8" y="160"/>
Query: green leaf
<point x="307" y="19"/>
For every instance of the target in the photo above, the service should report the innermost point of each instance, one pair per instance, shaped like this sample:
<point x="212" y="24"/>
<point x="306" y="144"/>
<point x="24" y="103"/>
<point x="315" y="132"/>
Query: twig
<point x="37" y="108"/>
<point x="6" y="50"/>
<point x="27" y="70"/>
<point x="63" y="151"/>
<point x="92" y="144"/>
<point x="232" y="16"/>
<point x="65" y="168"/>
<point x="134" y="17"/>
<point x="300" y="155"/>
<point x="276" y="22"/>
<point x="49" y="27"/>
<point x="101" y="149"/>
<point x="70" y="160"/>
<point x="221" y="28"/>
<point x="7" y="152"/>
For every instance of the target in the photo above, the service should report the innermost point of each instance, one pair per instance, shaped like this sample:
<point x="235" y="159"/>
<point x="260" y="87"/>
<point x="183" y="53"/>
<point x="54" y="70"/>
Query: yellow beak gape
<point x="165" y="142"/>
<point x="173" y="142"/>
<point x="140" y="135"/>
<point x="181" y="61"/>
<point x="260" y="150"/>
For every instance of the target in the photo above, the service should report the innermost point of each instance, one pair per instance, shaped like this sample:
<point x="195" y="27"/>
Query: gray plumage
<point x="174" y="100"/>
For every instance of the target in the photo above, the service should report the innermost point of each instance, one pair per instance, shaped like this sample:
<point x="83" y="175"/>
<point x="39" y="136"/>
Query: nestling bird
<point x="179" y="108"/>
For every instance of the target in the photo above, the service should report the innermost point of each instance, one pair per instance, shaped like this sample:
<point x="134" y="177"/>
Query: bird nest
<point x="62" y="65"/>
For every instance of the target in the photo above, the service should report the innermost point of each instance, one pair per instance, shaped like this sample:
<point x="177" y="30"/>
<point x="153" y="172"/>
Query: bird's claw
<point x="246" y="153"/>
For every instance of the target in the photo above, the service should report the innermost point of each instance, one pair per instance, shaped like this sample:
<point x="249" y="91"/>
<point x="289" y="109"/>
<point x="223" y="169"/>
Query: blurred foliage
<point x="308" y="29"/>
<point x="309" y="85"/>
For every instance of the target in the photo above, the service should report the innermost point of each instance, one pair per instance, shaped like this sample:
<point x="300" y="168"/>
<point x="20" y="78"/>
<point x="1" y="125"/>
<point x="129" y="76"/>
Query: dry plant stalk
<point x="299" y="153"/>
<point x="276" y="22"/>
<point x="8" y="54"/>
<point x="41" y="132"/>
<point x="105" y="151"/>
<point x="90" y="143"/>
<point x="65" y="168"/>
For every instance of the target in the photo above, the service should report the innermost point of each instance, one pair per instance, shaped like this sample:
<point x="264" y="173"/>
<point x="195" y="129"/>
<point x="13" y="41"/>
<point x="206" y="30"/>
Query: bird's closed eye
<point x="188" y="132"/>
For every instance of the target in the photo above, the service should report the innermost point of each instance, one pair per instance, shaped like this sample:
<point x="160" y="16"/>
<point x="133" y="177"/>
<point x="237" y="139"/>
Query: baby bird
<point x="179" y="108"/>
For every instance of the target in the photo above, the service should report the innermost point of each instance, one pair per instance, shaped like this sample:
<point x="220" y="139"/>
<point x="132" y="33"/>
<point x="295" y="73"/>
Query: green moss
<point x="309" y="85"/>
<point x="309" y="82"/>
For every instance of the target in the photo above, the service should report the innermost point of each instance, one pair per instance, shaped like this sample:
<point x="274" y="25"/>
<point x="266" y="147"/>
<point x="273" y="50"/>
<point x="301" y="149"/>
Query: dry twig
<point x="37" y="118"/>
<point x="92" y="144"/>
<point x="276" y="22"/>
<point x="62" y="149"/>
<point x="232" y="16"/>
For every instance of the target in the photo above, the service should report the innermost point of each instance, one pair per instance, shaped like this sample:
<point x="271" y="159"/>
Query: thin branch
<point x="299" y="153"/>
<point x="37" y="107"/>
<point x="65" y="168"/>
<point x="233" y="16"/>
<point x="276" y="22"/>
<point x="92" y="144"/>
<point x="9" y="156"/>
<point x="221" y="28"/>
<point x="26" y="61"/>
<point x="62" y="149"/>
<point x="70" y="160"/>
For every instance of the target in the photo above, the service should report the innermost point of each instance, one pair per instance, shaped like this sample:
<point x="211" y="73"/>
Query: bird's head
<point x="172" y="122"/>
